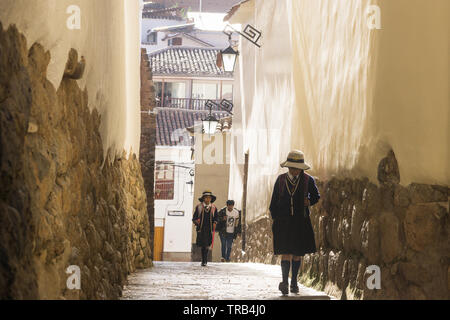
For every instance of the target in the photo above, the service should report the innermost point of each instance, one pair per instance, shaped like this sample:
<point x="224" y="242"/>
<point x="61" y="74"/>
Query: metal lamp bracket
<point x="250" y="33"/>
<point x="225" y="105"/>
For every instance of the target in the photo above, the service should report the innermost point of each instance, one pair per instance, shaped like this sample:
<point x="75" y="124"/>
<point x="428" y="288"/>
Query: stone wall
<point x="403" y="230"/>
<point x="148" y="137"/>
<point x="62" y="201"/>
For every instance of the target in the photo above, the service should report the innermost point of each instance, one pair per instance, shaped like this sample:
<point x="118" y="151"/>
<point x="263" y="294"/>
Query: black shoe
<point x="294" y="288"/>
<point x="203" y="264"/>
<point x="284" y="288"/>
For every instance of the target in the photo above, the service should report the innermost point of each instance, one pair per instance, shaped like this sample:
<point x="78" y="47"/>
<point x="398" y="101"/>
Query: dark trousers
<point x="226" y="240"/>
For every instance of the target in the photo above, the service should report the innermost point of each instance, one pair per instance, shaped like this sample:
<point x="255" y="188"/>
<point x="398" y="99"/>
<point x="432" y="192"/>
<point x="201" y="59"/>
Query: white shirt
<point x="232" y="220"/>
<point x="292" y="177"/>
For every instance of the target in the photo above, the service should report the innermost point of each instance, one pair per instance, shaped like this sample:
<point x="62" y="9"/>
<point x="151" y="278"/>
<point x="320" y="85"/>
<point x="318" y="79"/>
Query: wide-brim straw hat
<point x="207" y="193"/>
<point x="296" y="159"/>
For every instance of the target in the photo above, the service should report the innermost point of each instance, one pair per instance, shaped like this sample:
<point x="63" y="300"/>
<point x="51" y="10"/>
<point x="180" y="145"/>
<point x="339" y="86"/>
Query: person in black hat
<point x="205" y="219"/>
<point x="228" y="228"/>
<point x="293" y="236"/>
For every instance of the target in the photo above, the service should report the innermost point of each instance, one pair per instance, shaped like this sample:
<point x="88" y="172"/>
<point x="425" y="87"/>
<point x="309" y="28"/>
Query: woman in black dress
<point x="205" y="219"/>
<point x="293" y="236"/>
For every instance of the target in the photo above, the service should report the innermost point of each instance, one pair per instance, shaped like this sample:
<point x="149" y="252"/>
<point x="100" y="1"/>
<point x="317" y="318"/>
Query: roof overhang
<point x="171" y="28"/>
<point x="241" y="12"/>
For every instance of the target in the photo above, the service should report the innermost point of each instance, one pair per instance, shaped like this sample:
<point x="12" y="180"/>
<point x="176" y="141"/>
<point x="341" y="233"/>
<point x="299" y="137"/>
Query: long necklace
<point x="291" y="194"/>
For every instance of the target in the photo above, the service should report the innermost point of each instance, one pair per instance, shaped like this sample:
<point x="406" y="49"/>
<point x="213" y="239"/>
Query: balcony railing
<point x="186" y="103"/>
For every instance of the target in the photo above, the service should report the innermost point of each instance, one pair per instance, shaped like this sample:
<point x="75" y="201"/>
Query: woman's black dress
<point x="205" y="230"/>
<point x="292" y="229"/>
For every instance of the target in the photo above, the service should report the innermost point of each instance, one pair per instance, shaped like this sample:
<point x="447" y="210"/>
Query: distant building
<point x="212" y="176"/>
<point x="170" y="27"/>
<point x="185" y="76"/>
<point x="211" y="6"/>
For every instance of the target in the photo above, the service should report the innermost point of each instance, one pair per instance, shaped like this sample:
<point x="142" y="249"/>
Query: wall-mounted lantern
<point x="227" y="58"/>
<point x="210" y="123"/>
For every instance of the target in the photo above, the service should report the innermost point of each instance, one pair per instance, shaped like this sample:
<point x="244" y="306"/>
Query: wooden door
<point x="158" y="244"/>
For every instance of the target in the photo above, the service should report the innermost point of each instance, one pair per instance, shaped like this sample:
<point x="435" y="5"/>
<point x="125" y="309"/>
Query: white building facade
<point x="174" y="180"/>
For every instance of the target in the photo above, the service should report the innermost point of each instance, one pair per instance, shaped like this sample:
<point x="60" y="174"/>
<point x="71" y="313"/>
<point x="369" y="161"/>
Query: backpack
<point x="221" y="224"/>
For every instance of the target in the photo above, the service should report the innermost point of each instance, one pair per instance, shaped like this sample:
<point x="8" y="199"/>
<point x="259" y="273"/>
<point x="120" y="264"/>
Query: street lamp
<point x="229" y="57"/>
<point x="210" y="124"/>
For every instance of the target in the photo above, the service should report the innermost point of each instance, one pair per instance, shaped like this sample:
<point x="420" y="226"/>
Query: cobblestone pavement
<point x="217" y="281"/>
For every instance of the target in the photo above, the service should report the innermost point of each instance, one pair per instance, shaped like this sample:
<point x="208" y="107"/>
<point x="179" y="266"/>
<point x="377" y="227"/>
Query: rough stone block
<point x="390" y="243"/>
<point x="370" y="240"/>
<point x="422" y="226"/>
<point x="423" y="193"/>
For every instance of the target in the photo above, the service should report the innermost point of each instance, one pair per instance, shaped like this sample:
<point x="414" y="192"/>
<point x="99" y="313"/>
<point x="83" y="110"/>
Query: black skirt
<point x="293" y="235"/>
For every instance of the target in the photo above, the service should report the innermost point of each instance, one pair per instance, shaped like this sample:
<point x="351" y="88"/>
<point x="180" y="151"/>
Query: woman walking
<point x="293" y="236"/>
<point x="205" y="219"/>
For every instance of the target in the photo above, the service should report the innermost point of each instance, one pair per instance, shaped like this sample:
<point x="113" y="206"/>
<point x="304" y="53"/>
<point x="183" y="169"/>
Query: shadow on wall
<point x="59" y="206"/>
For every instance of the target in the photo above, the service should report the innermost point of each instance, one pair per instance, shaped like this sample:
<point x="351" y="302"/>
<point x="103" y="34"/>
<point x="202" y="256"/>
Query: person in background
<point x="293" y="236"/>
<point x="205" y="219"/>
<point x="228" y="228"/>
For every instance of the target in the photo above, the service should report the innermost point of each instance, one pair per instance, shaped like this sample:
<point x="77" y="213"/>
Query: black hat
<point x="207" y="193"/>
<point x="230" y="203"/>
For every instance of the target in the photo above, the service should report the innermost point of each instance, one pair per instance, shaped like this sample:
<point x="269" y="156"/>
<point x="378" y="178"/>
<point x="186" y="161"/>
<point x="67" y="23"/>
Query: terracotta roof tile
<point x="169" y="122"/>
<point x="187" y="61"/>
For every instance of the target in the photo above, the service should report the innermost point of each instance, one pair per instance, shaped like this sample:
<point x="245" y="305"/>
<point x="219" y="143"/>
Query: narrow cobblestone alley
<point x="218" y="281"/>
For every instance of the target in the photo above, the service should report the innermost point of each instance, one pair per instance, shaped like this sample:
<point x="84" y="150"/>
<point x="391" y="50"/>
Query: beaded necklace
<point x="292" y="193"/>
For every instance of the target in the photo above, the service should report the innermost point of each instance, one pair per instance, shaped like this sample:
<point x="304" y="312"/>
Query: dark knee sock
<point x="204" y="255"/>
<point x="295" y="268"/>
<point x="285" y="266"/>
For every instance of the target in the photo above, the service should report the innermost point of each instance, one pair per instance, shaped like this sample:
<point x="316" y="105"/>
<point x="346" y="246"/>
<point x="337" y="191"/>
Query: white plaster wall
<point x="212" y="173"/>
<point x="342" y="92"/>
<point x="177" y="230"/>
<point x="216" y="38"/>
<point x="264" y="104"/>
<point x="109" y="40"/>
<point x="149" y="24"/>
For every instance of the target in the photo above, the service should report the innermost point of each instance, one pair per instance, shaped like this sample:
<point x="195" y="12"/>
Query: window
<point x="205" y="91"/>
<point x="175" y="42"/>
<point x="164" y="181"/>
<point x="175" y="90"/>
<point x="152" y="38"/>
<point x="227" y="91"/>
<point x="174" y="93"/>
<point x="158" y="89"/>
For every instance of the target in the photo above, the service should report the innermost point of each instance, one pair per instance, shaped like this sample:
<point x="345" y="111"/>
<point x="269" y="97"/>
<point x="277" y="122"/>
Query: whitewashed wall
<point x="342" y="92"/>
<point x="108" y="38"/>
<point x="177" y="230"/>
<point x="149" y="24"/>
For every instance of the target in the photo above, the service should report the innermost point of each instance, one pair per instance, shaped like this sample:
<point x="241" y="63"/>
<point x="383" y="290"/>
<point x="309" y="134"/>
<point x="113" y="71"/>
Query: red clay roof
<point x="187" y="61"/>
<point x="169" y="120"/>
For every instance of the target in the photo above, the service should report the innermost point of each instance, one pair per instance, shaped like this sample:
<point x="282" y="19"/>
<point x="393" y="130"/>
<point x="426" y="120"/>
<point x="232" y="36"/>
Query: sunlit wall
<point x="343" y="81"/>
<point x="108" y="37"/>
